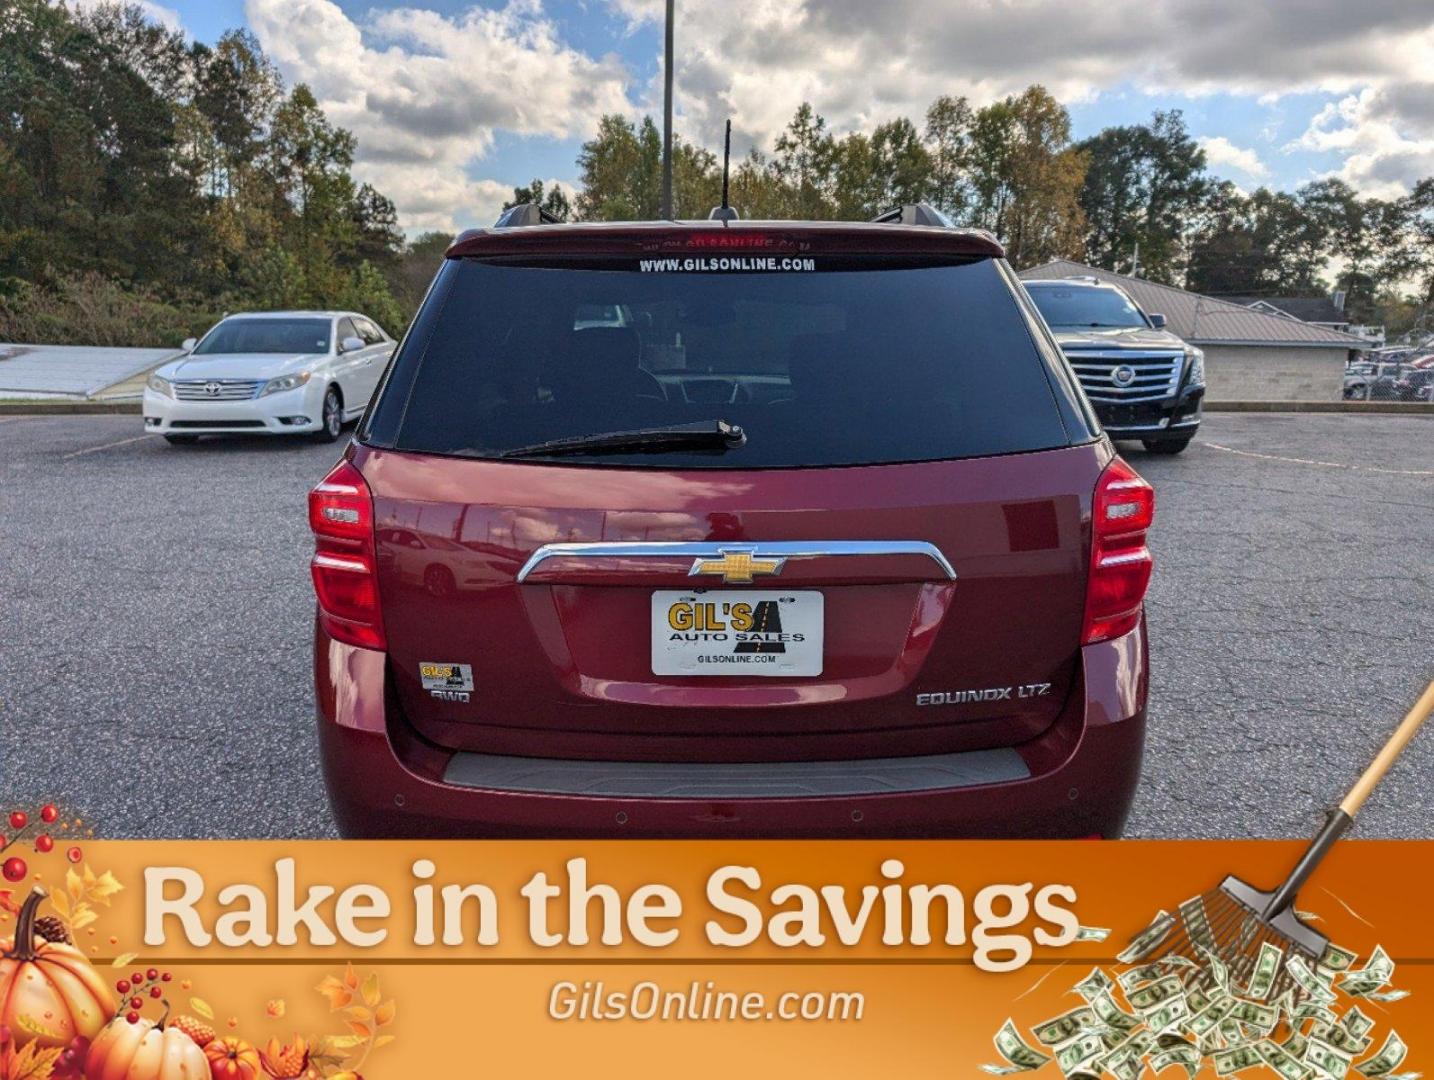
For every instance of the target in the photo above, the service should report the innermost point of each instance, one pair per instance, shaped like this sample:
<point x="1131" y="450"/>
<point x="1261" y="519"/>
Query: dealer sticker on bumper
<point x="739" y="632"/>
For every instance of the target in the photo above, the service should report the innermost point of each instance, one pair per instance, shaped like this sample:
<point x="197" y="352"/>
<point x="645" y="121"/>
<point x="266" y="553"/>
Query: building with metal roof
<point x="77" y="372"/>
<point x="1249" y="354"/>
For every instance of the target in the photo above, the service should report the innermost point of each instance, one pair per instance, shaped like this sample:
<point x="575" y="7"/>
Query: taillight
<point x="1120" y="563"/>
<point x="344" y="566"/>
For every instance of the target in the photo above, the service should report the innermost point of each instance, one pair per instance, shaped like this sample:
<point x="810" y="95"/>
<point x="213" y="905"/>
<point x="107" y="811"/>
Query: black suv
<point x="1144" y="382"/>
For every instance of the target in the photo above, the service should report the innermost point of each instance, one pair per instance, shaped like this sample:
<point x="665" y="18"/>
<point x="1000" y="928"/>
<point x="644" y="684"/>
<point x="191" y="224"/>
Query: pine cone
<point x="52" y="929"/>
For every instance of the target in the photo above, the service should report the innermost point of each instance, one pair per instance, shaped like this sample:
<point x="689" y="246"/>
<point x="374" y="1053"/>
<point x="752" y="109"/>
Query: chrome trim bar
<point x="771" y="549"/>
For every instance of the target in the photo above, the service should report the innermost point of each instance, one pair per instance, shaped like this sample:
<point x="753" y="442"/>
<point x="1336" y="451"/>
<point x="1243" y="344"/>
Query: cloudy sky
<point x="455" y="101"/>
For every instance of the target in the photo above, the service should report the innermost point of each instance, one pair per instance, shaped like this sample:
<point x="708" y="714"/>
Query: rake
<point x="1233" y="921"/>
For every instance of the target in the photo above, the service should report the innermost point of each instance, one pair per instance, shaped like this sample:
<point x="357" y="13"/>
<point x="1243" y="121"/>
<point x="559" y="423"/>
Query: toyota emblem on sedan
<point x="212" y="389"/>
<point x="1123" y="375"/>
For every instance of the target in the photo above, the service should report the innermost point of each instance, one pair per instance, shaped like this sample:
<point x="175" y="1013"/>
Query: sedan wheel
<point x="333" y="417"/>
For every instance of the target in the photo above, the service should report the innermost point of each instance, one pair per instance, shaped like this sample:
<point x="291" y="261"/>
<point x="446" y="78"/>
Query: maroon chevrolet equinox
<point x="725" y="528"/>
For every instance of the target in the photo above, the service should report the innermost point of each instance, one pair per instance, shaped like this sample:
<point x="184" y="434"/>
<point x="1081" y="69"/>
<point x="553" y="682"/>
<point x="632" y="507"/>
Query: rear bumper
<point x="1156" y="421"/>
<point x="1075" y="779"/>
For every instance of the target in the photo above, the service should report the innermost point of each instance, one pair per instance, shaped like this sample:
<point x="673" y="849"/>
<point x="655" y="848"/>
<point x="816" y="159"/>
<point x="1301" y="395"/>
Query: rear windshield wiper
<point x="704" y="435"/>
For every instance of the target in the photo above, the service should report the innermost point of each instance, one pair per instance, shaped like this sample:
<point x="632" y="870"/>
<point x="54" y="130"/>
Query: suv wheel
<point x="333" y="418"/>
<point x="1168" y="446"/>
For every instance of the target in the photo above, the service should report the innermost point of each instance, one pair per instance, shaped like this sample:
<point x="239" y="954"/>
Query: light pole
<point x="667" y="118"/>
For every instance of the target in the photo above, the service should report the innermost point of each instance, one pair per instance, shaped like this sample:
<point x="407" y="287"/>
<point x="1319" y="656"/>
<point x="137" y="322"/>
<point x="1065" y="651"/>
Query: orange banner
<point x="843" y="959"/>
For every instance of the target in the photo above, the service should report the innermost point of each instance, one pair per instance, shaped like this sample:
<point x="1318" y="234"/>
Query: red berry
<point x="48" y="813"/>
<point x="14" y="869"/>
<point x="74" y="854"/>
<point x="137" y="978"/>
<point x="44" y="844"/>
<point x="122" y="986"/>
<point x="19" y="819"/>
<point x="132" y="1017"/>
<point x="165" y="977"/>
<point x="152" y="974"/>
<point x="155" y="991"/>
<point x="136" y="1003"/>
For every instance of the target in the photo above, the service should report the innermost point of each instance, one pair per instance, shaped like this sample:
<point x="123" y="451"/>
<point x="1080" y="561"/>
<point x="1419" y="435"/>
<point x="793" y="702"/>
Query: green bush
<point x="91" y="309"/>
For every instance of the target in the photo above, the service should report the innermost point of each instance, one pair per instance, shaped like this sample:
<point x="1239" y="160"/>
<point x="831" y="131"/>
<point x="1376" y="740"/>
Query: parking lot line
<point x="106" y="446"/>
<point x="1321" y="464"/>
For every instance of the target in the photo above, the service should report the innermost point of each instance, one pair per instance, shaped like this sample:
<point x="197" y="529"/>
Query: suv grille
<point x="1147" y="376"/>
<point x="216" y="389"/>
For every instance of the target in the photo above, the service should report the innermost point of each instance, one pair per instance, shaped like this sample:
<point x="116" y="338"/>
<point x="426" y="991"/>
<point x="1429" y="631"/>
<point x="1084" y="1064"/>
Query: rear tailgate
<point x="912" y="659"/>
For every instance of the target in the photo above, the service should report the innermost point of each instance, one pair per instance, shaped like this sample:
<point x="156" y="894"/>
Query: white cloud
<point x="425" y="94"/>
<point x="1221" y="151"/>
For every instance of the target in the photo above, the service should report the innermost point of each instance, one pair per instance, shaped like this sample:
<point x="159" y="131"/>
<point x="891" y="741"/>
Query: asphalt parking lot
<point x="155" y="614"/>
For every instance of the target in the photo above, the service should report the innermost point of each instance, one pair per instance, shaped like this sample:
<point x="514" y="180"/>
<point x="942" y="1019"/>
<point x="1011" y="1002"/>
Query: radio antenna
<point x="725" y="211"/>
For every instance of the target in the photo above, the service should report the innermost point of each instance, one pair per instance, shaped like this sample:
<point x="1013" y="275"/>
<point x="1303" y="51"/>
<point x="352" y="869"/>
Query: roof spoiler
<point x="921" y="213"/>
<point x="528" y="213"/>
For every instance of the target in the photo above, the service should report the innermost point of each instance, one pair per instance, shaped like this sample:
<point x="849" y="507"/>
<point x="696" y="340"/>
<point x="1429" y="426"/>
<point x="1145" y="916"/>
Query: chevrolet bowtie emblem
<point x="737" y="565"/>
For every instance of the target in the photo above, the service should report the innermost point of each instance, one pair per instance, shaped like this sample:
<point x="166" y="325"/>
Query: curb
<point x="1407" y="408"/>
<point x="69" y="408"/>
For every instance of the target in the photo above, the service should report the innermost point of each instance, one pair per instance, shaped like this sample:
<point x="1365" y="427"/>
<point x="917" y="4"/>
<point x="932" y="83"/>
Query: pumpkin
<point x="144" y="1050"/>
<point x="233" y="1059"/>
<point x="49" y="993"/>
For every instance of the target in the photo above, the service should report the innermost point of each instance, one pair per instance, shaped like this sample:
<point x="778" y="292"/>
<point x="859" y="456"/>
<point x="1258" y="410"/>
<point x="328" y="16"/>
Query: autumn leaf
<point x="359" y="1013"/>
<point x="84" y="915"/>
<point x="74" y="885"/>
<point x="337" y="993"/>
<point x="123" y="960"/>
<point x="384" y="1014"/>
<point x="276" y="1008"/>
<point x="31" y="1062"/>
<point x="25" y="1022"/>
<point x="202" y="1007"/>
<point x="7" y="902"/>
<point x="363" y="1031"/>
<point x="340" y="1042"/>
<point x="351" y="979"/>
<point x="383" y="1040"/>
<point x="103" y="888"/>
<point x="371" y="993"/>
<point x="61" y="903"/>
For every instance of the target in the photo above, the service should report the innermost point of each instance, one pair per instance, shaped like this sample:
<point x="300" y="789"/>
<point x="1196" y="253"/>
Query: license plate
<point x="738" y="632"/>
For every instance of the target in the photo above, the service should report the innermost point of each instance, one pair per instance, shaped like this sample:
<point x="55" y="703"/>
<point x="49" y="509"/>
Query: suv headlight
<point x="284" y="382"/>
<point x="160" y="385"/>
<point x="1195" y="367"/>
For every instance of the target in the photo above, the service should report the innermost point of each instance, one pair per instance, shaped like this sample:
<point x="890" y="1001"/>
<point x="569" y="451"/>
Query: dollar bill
<point x="1149" y="939"/>
<point x="1267" y="966"/>
<point x="1338" y="1036"/>
<point x="1208" y="1019"/>
<point x="1168" y="1015"/>
<point x="1092" y="933"/>
<point x="1295" y="1044"/>
<point x="1217" y="970"/>
<point x="1308" y="981"/>
<point x="1151" y="996"/>
<point x="1112" y="1015"/>
<point x="1197" y="923"/>
<point x="1282" y="1061"/>
<point x="1236" y="1059"/>
<point x="1374" y="975"/>
<point x="1184" y="1055"/>
<point x="1387" y="995"/>
<point x="1257" y="1015"/>
<point x="1080" y="1052"/>
<point x="1094" y="984"/>
<point x="1336" y="959"/>
<point x="1391" y="1055"/>
<point x="1019" y="1056"/>
<point x="1064" y="1028"/>
<point x="1329" y="1060"/>
<point x="1355" y="1022"/>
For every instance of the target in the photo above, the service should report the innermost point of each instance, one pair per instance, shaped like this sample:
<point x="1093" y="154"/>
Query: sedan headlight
<point x="160" y="385"/>
<point x="1195" y="366"/>
<point x="285" y="382"/>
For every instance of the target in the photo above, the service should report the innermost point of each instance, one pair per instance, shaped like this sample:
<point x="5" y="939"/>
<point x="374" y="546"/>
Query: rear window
<point x="842" y="367"/>
<point x="266" y="336"/>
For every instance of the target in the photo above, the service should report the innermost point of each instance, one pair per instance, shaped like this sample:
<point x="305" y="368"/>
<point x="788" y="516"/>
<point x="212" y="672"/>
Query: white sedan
<point x="277" y="373"/>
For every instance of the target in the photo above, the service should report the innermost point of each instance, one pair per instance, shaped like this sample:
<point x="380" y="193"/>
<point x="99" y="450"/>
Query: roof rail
<point x="528" y="213"/>
<point x="922" y="213"/>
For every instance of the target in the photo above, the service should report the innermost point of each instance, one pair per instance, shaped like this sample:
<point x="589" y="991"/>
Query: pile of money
<point x="1193" y="1011"/>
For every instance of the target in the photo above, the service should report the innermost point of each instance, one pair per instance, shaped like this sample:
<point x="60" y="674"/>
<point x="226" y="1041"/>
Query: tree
<point x="1026" y="177"/>
<point x="1143" y="185"/>
<point x="948" y="144"/>
<point x="555" y="202"/>
<point x="804" y="162"/>
<point x="620" y="168"/>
